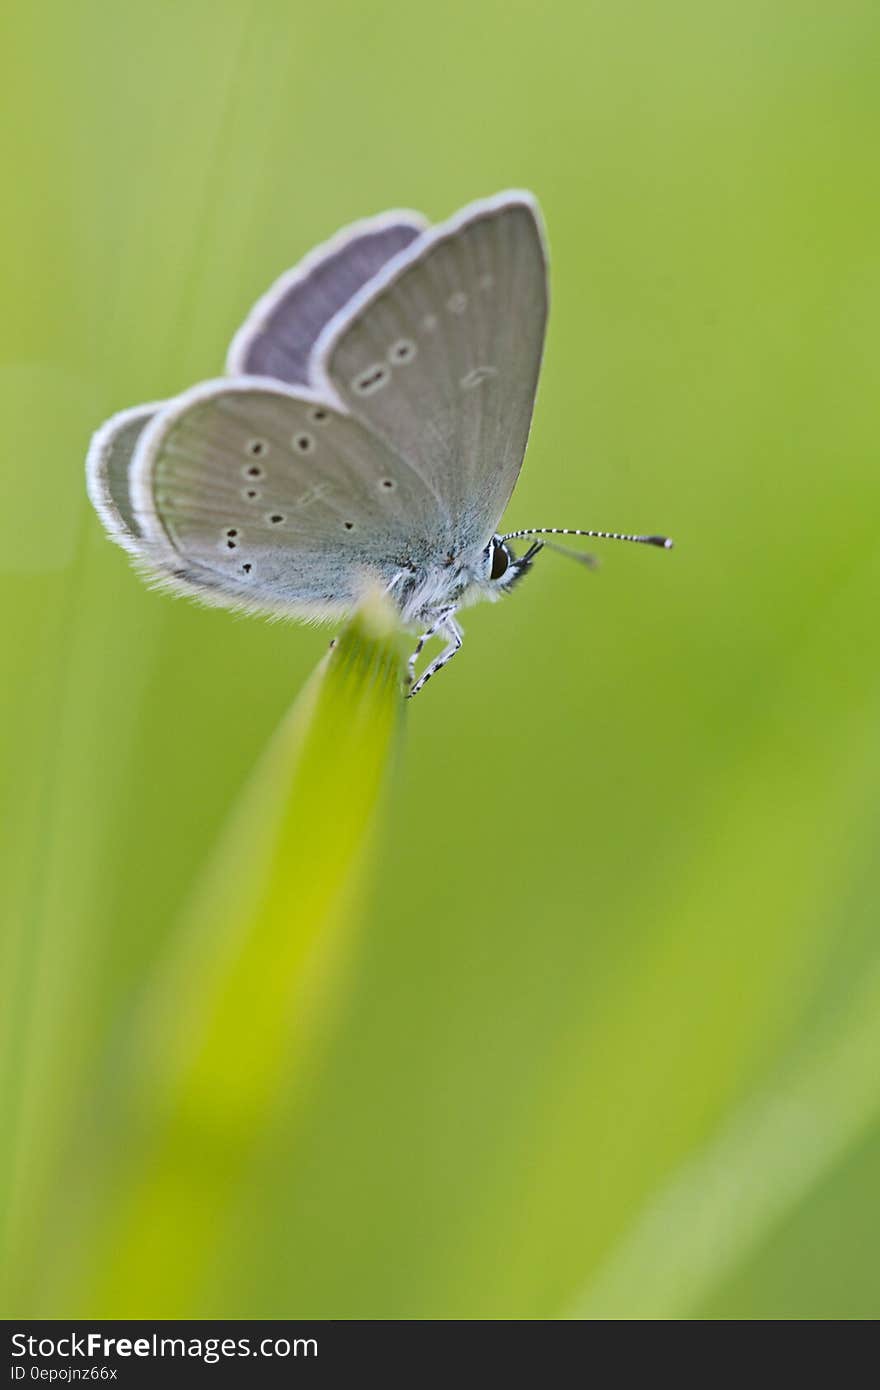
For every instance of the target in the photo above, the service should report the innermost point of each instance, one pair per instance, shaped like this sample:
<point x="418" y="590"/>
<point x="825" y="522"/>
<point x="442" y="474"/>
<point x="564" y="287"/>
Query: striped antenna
<point x="662" y="542"/>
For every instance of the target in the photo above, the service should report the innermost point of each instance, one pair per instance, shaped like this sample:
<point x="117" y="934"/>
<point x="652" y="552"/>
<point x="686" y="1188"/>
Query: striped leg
<point x="420" y="645"/>
<point x="450" y="627"/>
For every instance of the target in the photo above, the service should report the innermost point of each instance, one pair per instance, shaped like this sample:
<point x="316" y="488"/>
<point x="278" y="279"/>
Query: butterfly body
<point x="369" y="432"/>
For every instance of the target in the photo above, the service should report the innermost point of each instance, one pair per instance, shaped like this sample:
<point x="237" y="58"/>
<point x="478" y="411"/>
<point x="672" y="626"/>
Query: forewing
<point x="278" y="336"/>
<point x="268" y="497"/>
<point x="440" y="356"/>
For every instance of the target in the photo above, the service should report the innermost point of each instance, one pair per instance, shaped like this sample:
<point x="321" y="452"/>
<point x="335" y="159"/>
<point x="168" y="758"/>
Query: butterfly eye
<point x="500" y="561"/>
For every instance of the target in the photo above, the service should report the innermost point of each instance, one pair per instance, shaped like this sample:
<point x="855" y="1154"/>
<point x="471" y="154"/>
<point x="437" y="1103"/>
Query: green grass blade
<point x="228" y="1029"/>
<point x="719" y="1206"/>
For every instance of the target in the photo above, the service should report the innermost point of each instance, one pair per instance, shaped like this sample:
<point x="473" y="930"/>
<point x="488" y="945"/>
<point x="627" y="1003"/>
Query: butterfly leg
<point x="419" y="647"/>
<point x="450" y="627"/>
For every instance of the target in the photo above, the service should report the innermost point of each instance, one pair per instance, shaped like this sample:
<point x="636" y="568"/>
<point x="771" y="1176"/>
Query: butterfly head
<point x="502" y="568"/>
<point x="499" y="568"/>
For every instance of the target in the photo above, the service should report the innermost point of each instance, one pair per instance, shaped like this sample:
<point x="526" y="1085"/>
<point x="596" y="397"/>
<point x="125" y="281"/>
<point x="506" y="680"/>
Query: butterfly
<point x="369" y="432"/>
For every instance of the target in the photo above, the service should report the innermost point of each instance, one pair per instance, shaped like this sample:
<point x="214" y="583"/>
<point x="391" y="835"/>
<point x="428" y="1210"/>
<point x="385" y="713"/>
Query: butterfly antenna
<point x="589" y="562"/>
<point x="662" y="542"/>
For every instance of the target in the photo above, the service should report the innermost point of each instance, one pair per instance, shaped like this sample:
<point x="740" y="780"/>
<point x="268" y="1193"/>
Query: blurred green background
<point x="608" y="1041"/>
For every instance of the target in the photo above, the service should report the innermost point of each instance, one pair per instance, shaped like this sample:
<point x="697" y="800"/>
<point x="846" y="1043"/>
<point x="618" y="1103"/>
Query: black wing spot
<point x="247" y="568"/>
<point x="275" y="518"/>
<point x="303" y="443"/>
<point x="388" y="483"/>
<point x="401" y="352"/>
<point x="232" y="531"/>
<point x="349" y="525"/>
<point x="371" y="379"/>
<point x="257" y="448"/>
<point x="319" y="415"/>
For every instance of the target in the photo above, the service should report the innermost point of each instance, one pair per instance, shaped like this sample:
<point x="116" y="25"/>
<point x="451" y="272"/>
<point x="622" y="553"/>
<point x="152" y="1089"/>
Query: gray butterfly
<point x="370" y="432"/>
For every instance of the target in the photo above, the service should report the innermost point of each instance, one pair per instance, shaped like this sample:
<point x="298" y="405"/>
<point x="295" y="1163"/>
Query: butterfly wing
<point x="262" y="496"/>
<point x="279" y="333"/>
<point x="432" y="351"/>
<point x="108" y="471"/>
<point x="440" y="353"/>
<point x="275" y="340"/>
